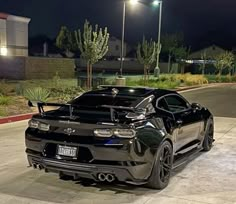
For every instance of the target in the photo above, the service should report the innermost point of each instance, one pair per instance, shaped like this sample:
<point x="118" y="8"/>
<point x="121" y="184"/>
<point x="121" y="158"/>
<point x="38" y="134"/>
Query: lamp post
<point x="122" y="40"/>
<point x="133" y="2"/>
<point x="157" y="68"/>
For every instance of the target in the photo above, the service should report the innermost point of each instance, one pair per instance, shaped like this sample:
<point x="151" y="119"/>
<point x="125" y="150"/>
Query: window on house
<point x="117" y="47"/>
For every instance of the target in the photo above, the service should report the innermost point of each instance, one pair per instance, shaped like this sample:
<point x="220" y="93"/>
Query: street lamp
<point x="134" y="2"/>
<point x="3" y="51"/>
<point x="157" y="68"/>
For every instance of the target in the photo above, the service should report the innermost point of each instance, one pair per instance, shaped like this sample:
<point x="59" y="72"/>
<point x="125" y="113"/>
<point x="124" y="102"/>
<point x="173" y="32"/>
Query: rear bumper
<point x="127" y="160"/>
<point x="91" y="171"/>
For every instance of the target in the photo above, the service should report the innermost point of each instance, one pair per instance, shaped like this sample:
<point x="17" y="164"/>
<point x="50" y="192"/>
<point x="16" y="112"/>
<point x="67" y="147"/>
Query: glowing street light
<point x="155" y="3"/>
<point x="133" y="2"/>
<point x="3" y="51"/>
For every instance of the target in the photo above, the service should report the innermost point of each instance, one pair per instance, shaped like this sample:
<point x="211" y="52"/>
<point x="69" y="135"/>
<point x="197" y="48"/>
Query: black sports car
<point x="132" y="135"/>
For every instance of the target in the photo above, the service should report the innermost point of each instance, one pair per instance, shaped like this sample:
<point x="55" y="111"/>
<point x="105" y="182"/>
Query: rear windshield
<point x="99" y="100"/>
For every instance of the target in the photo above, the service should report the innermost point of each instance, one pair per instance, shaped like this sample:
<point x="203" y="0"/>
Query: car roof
<point x="142" y="92"/>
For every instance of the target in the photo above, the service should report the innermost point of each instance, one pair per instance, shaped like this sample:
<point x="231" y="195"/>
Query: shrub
<point x="37" y="94"/>
<point x="226" y="79"/>
<point x="65" y="94"/>
<point x="56" y="80"/>
<point x="19" y="89"/>
<point x="4" y="100"/>
<point x="155" y="83"/>
<point x="5" y="88"/>
<point x="3" y="112"/>
<point x="234" y="78"/>
<point x="190" y="80"/>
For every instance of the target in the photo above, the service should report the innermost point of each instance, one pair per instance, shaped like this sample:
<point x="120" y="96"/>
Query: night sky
<point x="203" y="22"/>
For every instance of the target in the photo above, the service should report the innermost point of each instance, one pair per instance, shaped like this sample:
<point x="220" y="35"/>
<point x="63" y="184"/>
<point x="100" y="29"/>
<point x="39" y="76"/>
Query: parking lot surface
<point x="208" y="178"/>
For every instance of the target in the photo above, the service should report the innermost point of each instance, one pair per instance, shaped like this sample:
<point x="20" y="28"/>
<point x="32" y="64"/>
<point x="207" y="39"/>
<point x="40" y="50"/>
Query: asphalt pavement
<point x="220" y="99"/>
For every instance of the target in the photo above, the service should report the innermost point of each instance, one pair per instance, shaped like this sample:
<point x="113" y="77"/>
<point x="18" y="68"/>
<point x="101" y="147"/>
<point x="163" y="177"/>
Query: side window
<point x="176" y="103"/>
<point x="163" y="105"/>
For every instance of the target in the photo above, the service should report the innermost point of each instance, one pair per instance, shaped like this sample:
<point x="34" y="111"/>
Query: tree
<point x="223" y="61"/>
<point x="64" y="40"/>
<point x="170" y="46"/>
<point x="203" y="64"/>
<point x="146" y="53"/>
<point x="93" y="45"/>
<point x="181" y="54"/>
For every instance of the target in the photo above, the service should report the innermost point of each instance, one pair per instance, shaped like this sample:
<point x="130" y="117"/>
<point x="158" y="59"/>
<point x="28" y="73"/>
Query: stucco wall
<point x="132" y="67"/>
<point x="12" y="67"/>
<point x="46" y="68"/>
<point x="35" y="68"/>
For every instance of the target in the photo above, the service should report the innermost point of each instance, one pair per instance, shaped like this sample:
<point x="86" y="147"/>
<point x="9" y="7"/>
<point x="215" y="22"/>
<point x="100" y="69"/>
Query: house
<point x="13" y="35"/>
<point x="204" y="56"/>
<point x="210" y="52"/>
<point x="114" y="47"/>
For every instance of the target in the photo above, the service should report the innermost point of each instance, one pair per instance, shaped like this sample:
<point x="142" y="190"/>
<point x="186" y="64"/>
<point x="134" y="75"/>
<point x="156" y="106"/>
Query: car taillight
<point x="125" y="133"/>
<point x="33" y="124"/>
<point x="38" y="125"/>
<point x="44" y="127"/>
<point x="103" y="132"/>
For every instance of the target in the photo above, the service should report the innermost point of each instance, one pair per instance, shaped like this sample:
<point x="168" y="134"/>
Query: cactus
<point x="146" y="54"/>
<point x="93" y="45"/>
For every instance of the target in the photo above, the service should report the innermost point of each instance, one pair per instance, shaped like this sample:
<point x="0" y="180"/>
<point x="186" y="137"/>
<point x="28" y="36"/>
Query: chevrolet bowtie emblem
<point x="69" y="131"/>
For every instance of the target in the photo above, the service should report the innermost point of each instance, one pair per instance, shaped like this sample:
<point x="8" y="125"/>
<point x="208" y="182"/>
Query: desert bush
<point x="5" y="88"/>
<point x="4" y="100"/>
<point x="19" y="89"/>
<point x="233" y="78"/>
<point x="3" y="112"/>
<point x="56" y="80"/>
<point x="36" y="94"/>
<point x="190" y="80"/>
<point x="155" y="83"/>
<point x="65" y="94"/>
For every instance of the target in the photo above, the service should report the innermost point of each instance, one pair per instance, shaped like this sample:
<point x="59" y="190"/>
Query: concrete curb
<point x="189" y="88"/>
<point x="16" y="118"/>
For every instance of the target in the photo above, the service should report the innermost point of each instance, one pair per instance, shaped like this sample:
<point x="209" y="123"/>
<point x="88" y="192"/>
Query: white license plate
<point x="67" y="151"/>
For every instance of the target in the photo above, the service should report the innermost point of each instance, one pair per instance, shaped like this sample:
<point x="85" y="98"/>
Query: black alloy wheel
<point x="209" y="136"/>
<point x="161" y="171"/>
<point x="165" y="163"/>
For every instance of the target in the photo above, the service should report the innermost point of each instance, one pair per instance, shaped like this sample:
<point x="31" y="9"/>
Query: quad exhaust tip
<point x="102" y="177"/>
<point x="38" y="166"/>
<point x="106" y="177"/>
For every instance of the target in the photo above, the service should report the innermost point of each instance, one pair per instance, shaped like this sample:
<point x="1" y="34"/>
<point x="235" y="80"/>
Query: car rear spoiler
<point x="41" y="105"/>
<point x="113" y="109"/>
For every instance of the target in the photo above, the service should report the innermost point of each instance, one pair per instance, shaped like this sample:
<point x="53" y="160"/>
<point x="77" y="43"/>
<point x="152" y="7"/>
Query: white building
<point x="13" y="35"/>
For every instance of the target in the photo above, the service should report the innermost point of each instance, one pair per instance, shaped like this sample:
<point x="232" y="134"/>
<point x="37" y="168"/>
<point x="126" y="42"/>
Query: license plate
<point x="67" y="151"/>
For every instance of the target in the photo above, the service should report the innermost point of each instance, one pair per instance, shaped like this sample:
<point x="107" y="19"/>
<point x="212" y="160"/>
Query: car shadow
<point x="33" y="184"/>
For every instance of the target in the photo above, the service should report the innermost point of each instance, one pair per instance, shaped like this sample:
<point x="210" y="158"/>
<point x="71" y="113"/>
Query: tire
<point x="209" y="136"/>
<point x="161" y="171"/>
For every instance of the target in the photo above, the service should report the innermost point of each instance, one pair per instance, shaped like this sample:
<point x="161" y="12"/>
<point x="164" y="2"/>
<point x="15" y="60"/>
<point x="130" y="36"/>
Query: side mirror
<point x="196" y="106"/>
